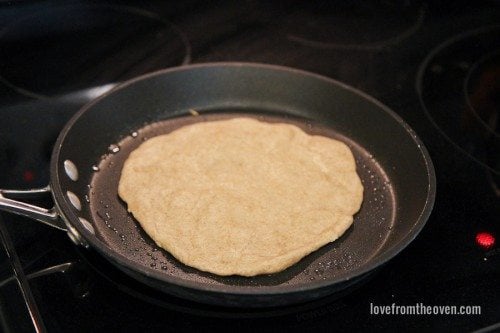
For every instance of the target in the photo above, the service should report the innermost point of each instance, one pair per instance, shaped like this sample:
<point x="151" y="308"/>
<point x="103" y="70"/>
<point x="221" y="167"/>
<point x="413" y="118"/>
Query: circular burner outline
<point x="420" y="75"/>
<point x="478" y="63"/>
<point x="119" y="8"/>
<point x="374" y="46"/>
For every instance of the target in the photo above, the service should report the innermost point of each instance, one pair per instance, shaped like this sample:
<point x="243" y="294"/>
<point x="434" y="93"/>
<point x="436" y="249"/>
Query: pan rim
<point x="69" y="215"/>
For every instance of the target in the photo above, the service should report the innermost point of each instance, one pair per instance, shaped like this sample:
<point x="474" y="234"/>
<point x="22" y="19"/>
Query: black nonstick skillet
<point x="396" y="170"/>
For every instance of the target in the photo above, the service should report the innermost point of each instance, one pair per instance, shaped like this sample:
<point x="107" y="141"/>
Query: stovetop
<point x="435" y="64"/>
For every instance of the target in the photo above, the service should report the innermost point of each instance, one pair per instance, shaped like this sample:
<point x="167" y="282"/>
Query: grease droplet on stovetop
<point x="95" y="168"/>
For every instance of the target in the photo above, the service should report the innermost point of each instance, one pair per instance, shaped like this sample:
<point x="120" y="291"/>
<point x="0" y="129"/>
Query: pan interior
<point x="117" y="228"/>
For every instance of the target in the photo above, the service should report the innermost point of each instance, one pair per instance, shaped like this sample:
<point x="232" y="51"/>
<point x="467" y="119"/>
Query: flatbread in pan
<point x="391" y="161"/>
<point x="241" y="196"/>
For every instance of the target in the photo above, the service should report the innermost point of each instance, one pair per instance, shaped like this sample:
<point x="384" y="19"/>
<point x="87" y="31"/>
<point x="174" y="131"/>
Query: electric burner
<point x="377" y="24"/>
<point x="66" y="48"/>
<point x="459" y="89"/>
<point x="482" y="93"/>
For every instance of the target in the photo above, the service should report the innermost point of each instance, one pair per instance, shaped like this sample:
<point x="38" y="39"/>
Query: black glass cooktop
<point x="435" y="64"/>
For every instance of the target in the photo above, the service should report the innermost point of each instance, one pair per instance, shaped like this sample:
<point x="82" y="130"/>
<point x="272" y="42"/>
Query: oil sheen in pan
<point x="360" y="243"/>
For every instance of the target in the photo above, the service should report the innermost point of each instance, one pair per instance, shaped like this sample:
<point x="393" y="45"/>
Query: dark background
<point x="54" y="54"/>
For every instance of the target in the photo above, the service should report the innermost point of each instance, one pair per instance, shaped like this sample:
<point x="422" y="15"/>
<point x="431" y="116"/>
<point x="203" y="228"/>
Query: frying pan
<point x="394" y="166"/>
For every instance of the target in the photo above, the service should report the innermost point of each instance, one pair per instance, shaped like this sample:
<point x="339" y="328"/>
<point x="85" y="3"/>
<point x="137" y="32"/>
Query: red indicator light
<point x="485" y="240"/>
<point x="28" y="176"/>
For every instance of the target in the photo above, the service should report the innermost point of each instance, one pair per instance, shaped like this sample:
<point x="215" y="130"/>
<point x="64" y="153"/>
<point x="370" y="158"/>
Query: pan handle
<point x="48" y="216"/>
